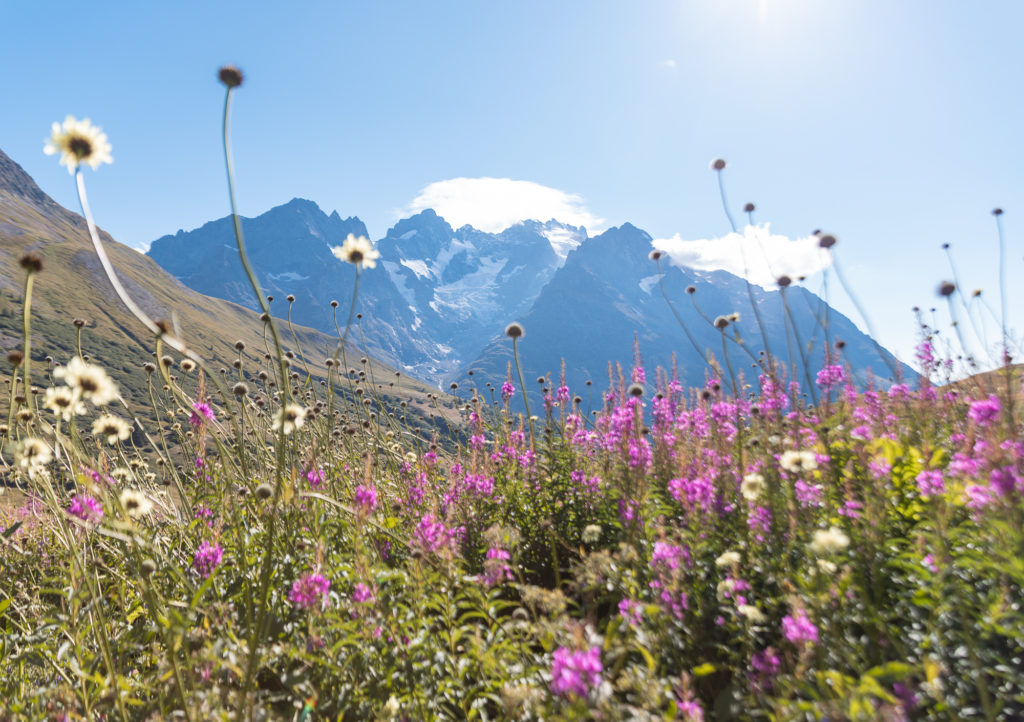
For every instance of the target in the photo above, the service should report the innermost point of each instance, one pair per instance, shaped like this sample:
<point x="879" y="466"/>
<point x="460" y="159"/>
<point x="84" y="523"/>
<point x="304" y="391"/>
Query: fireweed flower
<point x="111" y="428"/>
<point x="201" y="412"/>
<point x="310" y="592"/>
<point x="575" y="673"/>
<point x="315" y="477"/>
<point x="431" y="534"/>
<point x="91" y="382"/>
<point x="78" y="141"/>
<point x="830" y="377"/>
<point x="985" y="412"/>
<point x="207" y="558"/>
<point x="496" y="568"/>
<point x="64" y="402"/>
<point x="289" y="418"/>
<point x="798" y="629"/>
<point x="507" y="391"/>
<point x="631" y="610"/>
<point x="363" y="594"/>
<point x="135" y="503"/>
<point x="86" y="508"/>
<point x="357" y="251"/>
<point x="929" y="483"/>
<point x="366" y="499"/>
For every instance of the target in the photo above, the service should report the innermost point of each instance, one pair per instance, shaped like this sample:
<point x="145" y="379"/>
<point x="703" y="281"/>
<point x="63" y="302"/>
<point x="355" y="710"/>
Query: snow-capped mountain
<point x="609" y="293"/>
<point x="439" y="298"/>
<point x="429" y="306"/>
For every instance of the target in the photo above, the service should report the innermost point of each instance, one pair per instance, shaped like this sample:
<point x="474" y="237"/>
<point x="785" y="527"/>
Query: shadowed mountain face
<point x="440" y="298"/>
<point x="609" y="293"/>
<point x="73" y="285"/>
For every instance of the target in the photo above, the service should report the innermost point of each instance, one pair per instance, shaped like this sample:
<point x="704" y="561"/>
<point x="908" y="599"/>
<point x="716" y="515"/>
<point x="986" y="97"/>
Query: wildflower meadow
<point x="267" y="544"/>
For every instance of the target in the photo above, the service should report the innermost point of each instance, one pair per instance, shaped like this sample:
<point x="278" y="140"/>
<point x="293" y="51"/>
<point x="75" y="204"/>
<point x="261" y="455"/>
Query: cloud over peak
<point x="494" y="204"/>
<point x="756" y="254"/>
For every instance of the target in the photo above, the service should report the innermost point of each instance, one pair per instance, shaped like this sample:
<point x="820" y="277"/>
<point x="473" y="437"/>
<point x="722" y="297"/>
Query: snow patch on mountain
<point x="473" y="294"/>
<point x="418" y="267"/>
<point x="287" y="276"/>
<point x="563" y="239"/>
<point x="647" y="282"/>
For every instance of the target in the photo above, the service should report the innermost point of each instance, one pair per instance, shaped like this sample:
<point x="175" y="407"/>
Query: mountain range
<point x="440" y="298"/>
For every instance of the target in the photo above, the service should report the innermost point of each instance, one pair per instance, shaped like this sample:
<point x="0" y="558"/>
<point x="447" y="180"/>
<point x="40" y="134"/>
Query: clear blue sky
<point x="895" y="125"/>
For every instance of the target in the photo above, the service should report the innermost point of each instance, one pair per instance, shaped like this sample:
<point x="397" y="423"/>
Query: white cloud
<point x="767" y="255"/>
<point x="494" y="204"/>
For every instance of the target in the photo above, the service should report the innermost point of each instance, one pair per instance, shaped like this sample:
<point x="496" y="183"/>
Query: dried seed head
<point x="721" y="322"/>
<point x="290" y="298"/>
<point x="947" y="288"/>
<point x="166" y="361"/>
<point x="334" y="304"/>
<point x="265" y="317"/>
<point x="654" y="255"/>
<point x="240" y="345"/>
<point x="691" y="290"/>
<point x="826" y="241"/>
<point x="79" y="322"/>
<point x="187" y="365"/>
<point x="15" y="356"/>
<point x="784" y="281"/>
<point x="635" y="390"/>
<point x="264" y="492"/>
<point x="997" y="211"/>
<point x="945" y="246"/>
<point x="147" y="567"/>
<point x="749" y="208"/>
<point x="718" y="164"/>
<point x="514" y="330"/>
<point x="31" y="262"/>
<point x="230" y="76"/>
<point x="149" y="367"/>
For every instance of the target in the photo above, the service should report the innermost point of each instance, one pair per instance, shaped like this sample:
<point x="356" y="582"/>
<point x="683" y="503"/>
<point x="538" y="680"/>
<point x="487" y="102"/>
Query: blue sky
<point x="894" y="125"/>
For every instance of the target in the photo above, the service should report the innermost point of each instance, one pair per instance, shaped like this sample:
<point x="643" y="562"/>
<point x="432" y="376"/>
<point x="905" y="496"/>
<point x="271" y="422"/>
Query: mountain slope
<point x="73" y="285"/>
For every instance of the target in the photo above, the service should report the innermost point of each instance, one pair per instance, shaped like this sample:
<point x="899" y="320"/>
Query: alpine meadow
<point x="531" y="470"/>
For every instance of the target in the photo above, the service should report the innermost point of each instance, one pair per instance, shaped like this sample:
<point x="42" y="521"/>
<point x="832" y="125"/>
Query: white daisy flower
<point x="64" y="401"/>
<point x="135" y="503"/>
<point x="827" y="541"/>
<point x="797" y="461"/>
<point x="32" y="455"/>
<point x="111" y="428"/>
<point x="357" y="251"/>
<point x="752" y="486"/>
<point x="289" y="418"/>
<point x="91" y="381"/>
<point x="728" y="559"/>
<point x="752" y="613"/>
<point x="78" y="141"/>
